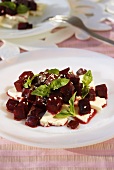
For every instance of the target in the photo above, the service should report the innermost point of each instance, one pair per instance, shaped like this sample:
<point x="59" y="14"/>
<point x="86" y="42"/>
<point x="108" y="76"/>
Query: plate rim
<point x="30" y="32"/>
<point x="63" y="50"/>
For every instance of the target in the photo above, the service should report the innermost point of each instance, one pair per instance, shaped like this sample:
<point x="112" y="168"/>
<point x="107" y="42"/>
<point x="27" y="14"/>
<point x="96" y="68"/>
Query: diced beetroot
<point x="31" y="121"/>
<point x="54" y="104"/>
<point x="2" y="10"/>
<point x="37" y="112"/>
<point x="50" y="78"/>
<point x="26" y="74"/>
<point x="10" y="12"/>
<point x="84" y="106"/>
<point x="78" y="89"/>
<point x="81" y="71"/>
<point x="73" y="78"/>
<point x="24" y="2"/>
<point x="91" y="95"/>
<point x="40" y="102"/>
<point x="24" y="25"/>
<point x="26" y="93"/>
<point x="32" y="5"/>
<point x="73" y="124"/>
<point x="67" y="91"/>
<point x="6" y="0"/>
<point x="101" y="91"/>
<point x="64" y="72"/>
<point x="18" y="85"/>
<point x="21" y="111"/>
<point x="11" y="104"/>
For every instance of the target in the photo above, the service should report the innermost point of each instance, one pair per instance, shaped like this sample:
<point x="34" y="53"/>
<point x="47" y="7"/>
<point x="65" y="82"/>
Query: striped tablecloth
<point x="14" y="156"/>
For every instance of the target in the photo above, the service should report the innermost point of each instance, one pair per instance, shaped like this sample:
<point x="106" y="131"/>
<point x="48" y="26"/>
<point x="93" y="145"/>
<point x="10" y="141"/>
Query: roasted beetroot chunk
<point x="40" y="102"/>
<point x="78" y="89"/>
<point x="73" y="78"/>
<point x="81" y="71"/>
<point x="64" y="72"/>
<point x="24" y="25"/>
<point x="84" y="106"/>
<point x="26" y="93"/>
<point x="91" y="95"/>
<point x="2" y="10"/>
<point x="20" y="82"/>
<point x="54" y="104"/>
<point x="26" y="74"/>
<point x="38" y="112"/>
<point x="10" y="12"/>
<point x="101" y="91"/>
<point x="24" y="2"/>
<point x="32" y="5"/>
<point x="32" y="121"/>
<point x="67" y="91"/>
<point x="50" y="78"/>
<point x="11" y="104"/>
<point x="19" y="85"/>
<point x="73" y="124"/>
<point x="21" y="111"/>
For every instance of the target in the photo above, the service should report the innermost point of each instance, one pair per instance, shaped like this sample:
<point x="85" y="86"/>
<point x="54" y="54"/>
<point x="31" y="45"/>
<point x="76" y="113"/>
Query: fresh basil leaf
<point x="28" y="82"/>
<point x="71" y="103"/>
<point x="53" y="71"/>
<point x="42" y="90"/>
<point x="63" y="114"/>
<point x="57" y="83"/>
<point x="85" y="91"/>
<point x="69" y="111"/>
<point x="21" y="9"/>
<point x="8" y="4"/>
<point x="87" y="78"/>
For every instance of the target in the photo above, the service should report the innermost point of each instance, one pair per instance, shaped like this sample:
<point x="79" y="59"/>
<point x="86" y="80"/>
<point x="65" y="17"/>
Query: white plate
<point x="100" y="128"/>
<point x="55" y="7"/>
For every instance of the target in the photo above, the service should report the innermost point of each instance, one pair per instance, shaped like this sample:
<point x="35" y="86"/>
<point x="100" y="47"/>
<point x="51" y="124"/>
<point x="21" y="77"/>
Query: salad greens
<point x="87" y="79"/>
<point x="69" y="111"/>
<point x="44" y="90"/>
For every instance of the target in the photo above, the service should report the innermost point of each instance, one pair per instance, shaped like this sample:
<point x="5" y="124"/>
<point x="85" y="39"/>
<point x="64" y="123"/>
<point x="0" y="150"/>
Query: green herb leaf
<point x="21" y="9"/>
<point x="42" y="90"/>
<point x="71" y="102"/>
<point x="85" y="91"/>
<point x="8" y="4"/>
<point x="53" y="71"/>
<point x="87" y="79"/>
<point x="57" y="83"/>
<point x="62" y="114"/>
<point x="28" y="82"/>
<point x="69" y="111"/>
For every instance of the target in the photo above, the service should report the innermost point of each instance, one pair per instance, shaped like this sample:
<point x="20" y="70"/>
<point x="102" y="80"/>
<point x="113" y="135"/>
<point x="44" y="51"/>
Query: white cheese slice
<point x="7" y="23"/>
<point x="19" y="17"/>
<point x="48" y="119"/>
<point x="85" y="118"/>
<point x="98" y="103"/>
<point x="1" y="19"/>
<point x="14" y="94"/>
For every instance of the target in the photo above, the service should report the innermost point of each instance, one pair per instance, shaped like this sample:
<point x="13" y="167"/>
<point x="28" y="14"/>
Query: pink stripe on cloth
<point x="59" y="152"/>
<point x="77" y="164"/>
